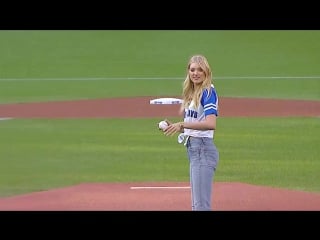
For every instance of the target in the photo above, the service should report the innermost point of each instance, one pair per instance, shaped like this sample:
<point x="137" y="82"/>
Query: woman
<point x="200" y="111"/>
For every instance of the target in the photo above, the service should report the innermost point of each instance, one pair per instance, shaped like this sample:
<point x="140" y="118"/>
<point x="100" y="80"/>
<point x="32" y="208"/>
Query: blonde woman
<point x="200" y="111"/>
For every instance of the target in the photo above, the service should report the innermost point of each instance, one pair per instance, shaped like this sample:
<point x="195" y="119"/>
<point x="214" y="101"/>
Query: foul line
<point x="159" y="188"/>
<point x="153" y="78"/>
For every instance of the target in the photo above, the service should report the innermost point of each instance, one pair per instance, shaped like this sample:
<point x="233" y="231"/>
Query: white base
<point x="166" y="101"/>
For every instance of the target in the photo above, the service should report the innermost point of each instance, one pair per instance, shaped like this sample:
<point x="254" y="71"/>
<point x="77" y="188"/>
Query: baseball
<point x="163" y="125"/>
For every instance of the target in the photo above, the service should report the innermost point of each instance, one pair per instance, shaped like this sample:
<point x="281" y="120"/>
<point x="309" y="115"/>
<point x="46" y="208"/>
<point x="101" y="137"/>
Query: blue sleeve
<point x="210" y="102"/>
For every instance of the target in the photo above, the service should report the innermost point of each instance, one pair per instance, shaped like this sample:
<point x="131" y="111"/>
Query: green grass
<point x="41" y="154"/>
<point x="307" y="89"/>
<point x="282" y="152"/>
<point x="73" y="58"/>
<point x="34" y="91"/>
<point x="50" y="54"/>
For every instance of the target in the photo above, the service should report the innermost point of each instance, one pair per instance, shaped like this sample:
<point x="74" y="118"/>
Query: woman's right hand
<point x="173" y="128"/>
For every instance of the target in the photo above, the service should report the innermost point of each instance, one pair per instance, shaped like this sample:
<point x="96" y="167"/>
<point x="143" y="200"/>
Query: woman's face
<point x="196" y="73"/>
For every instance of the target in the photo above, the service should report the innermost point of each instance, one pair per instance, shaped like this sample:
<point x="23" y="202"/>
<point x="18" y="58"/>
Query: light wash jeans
<point x="203" y="157"/>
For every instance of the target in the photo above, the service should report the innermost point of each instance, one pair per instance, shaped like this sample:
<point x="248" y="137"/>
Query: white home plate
<point x="166" y="101"/>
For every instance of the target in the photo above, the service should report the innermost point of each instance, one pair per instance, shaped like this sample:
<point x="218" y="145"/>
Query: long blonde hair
<point x="189" y="91"/>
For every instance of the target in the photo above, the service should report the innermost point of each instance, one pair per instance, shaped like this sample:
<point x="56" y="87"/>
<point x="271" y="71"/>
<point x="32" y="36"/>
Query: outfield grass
<point x="63" y="65"/>
<point x="34" y="91"/>
<point x="70" y="54"/>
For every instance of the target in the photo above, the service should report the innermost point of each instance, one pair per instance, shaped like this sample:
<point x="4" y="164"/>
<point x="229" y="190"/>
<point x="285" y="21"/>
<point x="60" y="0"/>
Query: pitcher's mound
<point x="161" y="196"/>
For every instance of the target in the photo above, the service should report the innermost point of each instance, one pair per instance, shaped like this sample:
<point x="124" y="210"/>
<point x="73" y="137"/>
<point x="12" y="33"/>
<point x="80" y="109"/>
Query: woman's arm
<point x="208" y="124"/>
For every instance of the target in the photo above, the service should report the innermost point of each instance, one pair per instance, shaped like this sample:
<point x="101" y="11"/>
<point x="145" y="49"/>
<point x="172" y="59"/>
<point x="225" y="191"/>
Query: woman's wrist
<point x="181" y="126"/>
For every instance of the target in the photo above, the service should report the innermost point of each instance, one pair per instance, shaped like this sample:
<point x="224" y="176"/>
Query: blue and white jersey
<point x="208" y="105"/>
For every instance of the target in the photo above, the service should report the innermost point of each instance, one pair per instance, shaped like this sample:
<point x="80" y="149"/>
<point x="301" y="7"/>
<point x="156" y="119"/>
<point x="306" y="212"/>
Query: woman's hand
<point x="174" y="128"/>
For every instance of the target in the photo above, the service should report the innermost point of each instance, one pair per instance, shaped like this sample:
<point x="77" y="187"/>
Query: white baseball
<point x="163" y="125"/>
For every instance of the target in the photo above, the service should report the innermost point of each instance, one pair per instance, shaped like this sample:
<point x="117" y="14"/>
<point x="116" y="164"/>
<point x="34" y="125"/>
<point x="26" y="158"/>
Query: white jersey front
<point x="208" y="105"/>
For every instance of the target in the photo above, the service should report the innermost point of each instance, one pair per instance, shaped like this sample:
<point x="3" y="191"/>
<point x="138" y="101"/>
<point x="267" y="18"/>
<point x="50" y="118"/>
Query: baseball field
<point x="78" y="132"/>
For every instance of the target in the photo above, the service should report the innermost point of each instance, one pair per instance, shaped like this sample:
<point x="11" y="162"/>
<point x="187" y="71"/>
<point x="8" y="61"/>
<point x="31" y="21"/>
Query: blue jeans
<point x="203" y="157"/>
